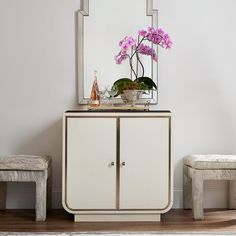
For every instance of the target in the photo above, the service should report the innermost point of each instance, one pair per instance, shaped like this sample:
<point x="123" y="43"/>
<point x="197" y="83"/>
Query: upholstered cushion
<point x="209" y="161"/>
<point x="24" y="162"/>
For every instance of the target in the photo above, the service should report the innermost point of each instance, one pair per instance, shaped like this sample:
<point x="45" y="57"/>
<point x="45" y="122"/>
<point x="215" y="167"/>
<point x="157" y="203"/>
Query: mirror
<point x="101" y="25"/>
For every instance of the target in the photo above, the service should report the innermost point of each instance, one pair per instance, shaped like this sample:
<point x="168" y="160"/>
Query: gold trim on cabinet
<point x="118" y="164"/>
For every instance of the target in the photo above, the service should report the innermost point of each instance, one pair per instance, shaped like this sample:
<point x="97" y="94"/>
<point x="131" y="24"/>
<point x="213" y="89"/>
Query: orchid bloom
<point x="156" y="36"/>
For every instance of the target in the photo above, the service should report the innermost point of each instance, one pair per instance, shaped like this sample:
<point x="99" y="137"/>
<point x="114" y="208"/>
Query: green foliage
<point x="141" y="83"/>
<point x="147" y="81"/>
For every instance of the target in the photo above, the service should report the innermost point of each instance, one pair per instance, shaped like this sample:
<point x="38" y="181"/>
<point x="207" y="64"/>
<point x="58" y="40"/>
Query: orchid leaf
<point x="121" y="81"/>
<point x="120" y="85"/>
<point x="147" y="81"/>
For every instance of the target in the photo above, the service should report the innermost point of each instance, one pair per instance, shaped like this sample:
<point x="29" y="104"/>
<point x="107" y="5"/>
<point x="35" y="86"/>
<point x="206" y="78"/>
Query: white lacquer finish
<point x="91" y="149"/>
<point x="117" y="165"/>
<point x="144" y="153"/>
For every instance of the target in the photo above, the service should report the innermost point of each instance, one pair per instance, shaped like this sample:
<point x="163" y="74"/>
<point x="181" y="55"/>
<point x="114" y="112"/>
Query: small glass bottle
<point x="94" y="100"/>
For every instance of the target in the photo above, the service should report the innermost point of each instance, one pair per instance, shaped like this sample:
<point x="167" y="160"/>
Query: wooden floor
<point x="174" y="221"/>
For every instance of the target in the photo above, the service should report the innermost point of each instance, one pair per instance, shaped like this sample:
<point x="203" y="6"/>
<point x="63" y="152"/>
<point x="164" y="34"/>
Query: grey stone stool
<point x="198" y="168"/>
<point x="27" y="168"/>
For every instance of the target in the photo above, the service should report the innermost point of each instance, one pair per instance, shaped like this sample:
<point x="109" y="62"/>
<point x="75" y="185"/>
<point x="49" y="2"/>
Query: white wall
<point x="197" y="80"/>
<point x="37" y="83"/>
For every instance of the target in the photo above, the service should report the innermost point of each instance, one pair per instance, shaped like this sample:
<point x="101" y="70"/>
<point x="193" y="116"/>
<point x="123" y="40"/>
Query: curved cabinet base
<point x="120" y="217"/>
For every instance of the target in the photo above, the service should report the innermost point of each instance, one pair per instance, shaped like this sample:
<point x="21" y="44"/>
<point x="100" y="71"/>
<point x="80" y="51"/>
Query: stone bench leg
<point x="41" y="195"/>
<point x="3" y="192"/>
<point x="197" y="194"/>
<point x="232" y="194"/>
<point x="187" y="189"/>
<point x="49" y="189"/>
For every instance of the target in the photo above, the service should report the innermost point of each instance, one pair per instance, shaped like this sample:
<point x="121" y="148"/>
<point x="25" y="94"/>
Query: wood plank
<point x="176" y="220"/>
<point x="3" y="191"/>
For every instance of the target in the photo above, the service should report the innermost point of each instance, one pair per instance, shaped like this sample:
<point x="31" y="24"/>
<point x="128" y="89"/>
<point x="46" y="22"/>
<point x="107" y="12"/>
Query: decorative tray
<point x="119" y="108"/>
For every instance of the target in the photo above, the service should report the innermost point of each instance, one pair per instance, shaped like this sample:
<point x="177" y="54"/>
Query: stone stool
<point x="27" y="168"/>
<point x="198" y="168"/>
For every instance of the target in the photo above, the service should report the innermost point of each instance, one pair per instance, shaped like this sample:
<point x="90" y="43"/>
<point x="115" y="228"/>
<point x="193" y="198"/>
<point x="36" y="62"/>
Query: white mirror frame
<point x="84" y="11"/>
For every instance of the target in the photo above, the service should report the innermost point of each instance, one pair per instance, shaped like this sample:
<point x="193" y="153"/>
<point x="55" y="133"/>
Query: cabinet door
<point x="91" y="152"/>
<point x="144" y="148"/>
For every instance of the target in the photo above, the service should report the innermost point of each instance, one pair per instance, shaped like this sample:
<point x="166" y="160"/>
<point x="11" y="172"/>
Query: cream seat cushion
<point x="209" y="161"/>
<point x="24" y="162"/>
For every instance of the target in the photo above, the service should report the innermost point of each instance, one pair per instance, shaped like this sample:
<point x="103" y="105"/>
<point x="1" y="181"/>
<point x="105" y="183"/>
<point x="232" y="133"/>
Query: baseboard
<point x="178" y="198"/>
<point x="26" y="199"/>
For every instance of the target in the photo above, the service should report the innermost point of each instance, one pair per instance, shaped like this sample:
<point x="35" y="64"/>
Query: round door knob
<point x="112" y="163"/>
<point x="123" y="163"/>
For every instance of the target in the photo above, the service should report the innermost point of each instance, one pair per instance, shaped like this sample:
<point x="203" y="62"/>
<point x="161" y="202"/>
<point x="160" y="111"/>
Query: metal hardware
<point x="123" y="163"/>
<point x="112" y="163"/>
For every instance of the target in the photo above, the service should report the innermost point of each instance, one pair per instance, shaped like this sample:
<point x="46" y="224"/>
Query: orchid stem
<point x="138" y="59"/>
<point x="131" y="66"/>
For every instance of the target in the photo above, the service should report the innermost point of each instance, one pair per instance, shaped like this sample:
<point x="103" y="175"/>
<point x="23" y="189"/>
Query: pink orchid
<point x="142" y="33"/>
<point x="127" y="42"/>
<point x="130" y="47"/>
<point x="146" y="50"/>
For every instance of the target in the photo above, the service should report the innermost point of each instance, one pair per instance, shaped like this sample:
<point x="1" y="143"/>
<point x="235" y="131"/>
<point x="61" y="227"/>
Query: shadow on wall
<point x="47" y="142"/>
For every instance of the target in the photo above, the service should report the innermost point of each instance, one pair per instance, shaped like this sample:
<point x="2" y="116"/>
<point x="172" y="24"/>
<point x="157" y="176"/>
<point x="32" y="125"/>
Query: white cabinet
<point x="117" y="165"/>
<point x="91" y="152"/>
<point x="144" y="153"/>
